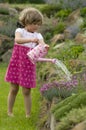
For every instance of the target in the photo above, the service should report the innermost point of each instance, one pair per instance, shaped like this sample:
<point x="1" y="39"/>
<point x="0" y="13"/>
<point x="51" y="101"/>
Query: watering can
<point x="37" y="54"/>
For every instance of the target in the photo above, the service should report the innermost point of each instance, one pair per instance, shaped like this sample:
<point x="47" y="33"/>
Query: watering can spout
<point x="46" y="60"/>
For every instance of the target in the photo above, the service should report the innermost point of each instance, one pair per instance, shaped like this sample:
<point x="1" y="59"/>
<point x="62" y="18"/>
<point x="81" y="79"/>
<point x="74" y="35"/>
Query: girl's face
<point x="32" y="27"/>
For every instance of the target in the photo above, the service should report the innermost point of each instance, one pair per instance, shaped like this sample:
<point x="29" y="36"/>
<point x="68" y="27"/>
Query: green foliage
<point x="58" y="93"/>
<point x="70" y="52"/>
<point x="77" y="103"/>
<point x="83" y="12"/>
<point x="4" y="11"/>
<point x="63" y="14"/>
<point x="50" y="94"/>
<point x="74" y="117"/>
<point x="48" y="36"/>
<point x="64" y="102"/>
<point x="59" y="28"/>
<point x="36" y="1"/>
<point x="50" y="10"/>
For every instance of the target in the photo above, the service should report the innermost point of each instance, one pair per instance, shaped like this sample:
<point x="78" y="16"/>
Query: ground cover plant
<point x="18" y="122"/>
<point x="74" y="117"/>
<point x="77" y="101"/>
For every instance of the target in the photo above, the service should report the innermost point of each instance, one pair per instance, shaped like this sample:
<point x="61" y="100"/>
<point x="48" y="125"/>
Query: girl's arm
<point x="19" y="39"/>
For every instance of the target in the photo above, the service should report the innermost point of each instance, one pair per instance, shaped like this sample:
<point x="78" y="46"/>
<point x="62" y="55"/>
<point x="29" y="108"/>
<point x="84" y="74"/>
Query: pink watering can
<point x="38" y="53"/>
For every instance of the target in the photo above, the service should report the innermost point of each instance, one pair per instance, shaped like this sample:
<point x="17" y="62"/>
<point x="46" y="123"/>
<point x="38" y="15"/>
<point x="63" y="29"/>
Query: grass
<point x="18" y="122"/>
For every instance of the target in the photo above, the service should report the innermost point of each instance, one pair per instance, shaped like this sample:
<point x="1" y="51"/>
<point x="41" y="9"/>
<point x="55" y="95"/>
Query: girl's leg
<point x="27" y="100"/>
<point x="11" y="97"/>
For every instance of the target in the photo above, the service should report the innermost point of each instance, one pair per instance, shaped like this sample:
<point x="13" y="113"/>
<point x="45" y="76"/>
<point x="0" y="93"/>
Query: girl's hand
<point x="47" y="46"/>
<point x="35" y="40"/>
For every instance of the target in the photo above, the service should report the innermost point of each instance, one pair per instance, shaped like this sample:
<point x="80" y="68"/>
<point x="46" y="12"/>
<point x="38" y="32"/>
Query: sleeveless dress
<point x="20" y="69"/>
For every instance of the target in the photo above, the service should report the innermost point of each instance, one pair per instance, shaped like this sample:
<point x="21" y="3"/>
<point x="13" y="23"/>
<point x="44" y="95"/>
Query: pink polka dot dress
<point x="20" y="69"/>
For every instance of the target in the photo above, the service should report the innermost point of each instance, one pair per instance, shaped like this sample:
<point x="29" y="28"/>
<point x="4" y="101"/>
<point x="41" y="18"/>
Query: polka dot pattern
<point x="21" y="70"/>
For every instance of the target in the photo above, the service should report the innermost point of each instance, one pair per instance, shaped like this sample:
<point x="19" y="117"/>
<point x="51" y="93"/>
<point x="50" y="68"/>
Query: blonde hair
<point x="30" y="16"/>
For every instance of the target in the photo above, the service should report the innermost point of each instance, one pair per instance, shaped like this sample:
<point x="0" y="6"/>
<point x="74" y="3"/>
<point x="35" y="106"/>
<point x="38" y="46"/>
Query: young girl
<point x="21" y="72"/>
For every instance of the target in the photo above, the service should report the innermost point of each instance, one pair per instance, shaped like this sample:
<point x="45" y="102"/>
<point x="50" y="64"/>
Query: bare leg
<point x="27" y="100"/>
<point x="11" y="97"/>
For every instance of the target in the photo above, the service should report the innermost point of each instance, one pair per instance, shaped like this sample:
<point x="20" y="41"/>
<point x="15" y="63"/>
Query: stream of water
<point x="62" y="70"/>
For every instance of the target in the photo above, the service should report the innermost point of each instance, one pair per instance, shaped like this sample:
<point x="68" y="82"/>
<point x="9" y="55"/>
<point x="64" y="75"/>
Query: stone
<point x="80" y="126"/>
<point x="80" y="38"/>
<point x="6" y="56"/>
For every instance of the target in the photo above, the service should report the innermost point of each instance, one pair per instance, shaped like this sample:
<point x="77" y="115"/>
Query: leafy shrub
<point x="50" y="10"/>
<point x="64" y="102"/>
<point x="48" y="36"/>
<point x="83" y="12"/>
<point x="70" y="52"/>
<point x="62" y="14"/>
<point x="75" y="103"/>
<point x="36" y="1"/>
<point x="74" y="117"/>
<point x="59" y="28"/>
<point x="4" y="11"/>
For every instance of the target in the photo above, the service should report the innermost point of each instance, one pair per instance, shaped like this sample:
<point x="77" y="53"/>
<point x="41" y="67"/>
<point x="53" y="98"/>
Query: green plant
<point x="48" y="36"/>
<point x="64" y="102"/>
<point x="59" y="28"/>
<point x="4" y="11"/>
<point x="59" y="89"/>
<point x="70" y="52"/>
<point x="74" y="117"/>
<point x="63" y="14"/>
<point x="76" y="103"/>
<point x="50" y="10"/>
<point x="83" y="12"/>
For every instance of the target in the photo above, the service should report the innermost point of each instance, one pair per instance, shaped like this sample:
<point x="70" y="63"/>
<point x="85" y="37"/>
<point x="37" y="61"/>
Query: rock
<point x="5" y="44"/>
<point x="73" y="24"/>
<point x="57" y="38"/>
<point x="12" y="12"/>
<point x="6" y="56"/>
<point x="80" y="126"/>
<point x="80" y="38"/>
<point x="73" y="17"/>
<point x="1" y="23"/>
<point x="59" y="45"/>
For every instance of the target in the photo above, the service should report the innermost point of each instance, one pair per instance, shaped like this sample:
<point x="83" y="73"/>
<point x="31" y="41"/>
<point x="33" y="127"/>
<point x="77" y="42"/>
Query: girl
<point x="21" y="72"/>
